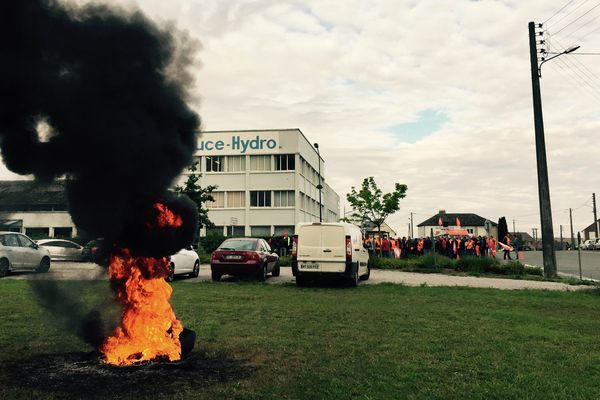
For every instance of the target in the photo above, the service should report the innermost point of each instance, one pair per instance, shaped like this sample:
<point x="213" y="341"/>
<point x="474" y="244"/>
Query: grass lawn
<point x="373" y="342"/>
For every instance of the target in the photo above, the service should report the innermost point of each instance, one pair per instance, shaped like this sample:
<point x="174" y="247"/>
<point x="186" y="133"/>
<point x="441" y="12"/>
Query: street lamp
<point x="319" y="186"/>
<point x="550" y="269"/>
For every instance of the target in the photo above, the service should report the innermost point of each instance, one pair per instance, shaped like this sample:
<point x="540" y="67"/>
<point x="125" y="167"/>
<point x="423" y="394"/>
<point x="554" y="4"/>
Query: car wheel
<point x="276" y="269"/>
<point x="44" y="265"/>
<point x="262" y="274"/>
<point x="366" y="276"/>
<point x="4" y="267"/>
<point x="171" y="275"/>
<point x="196" y="271"/>
<point x="216" y="277"/>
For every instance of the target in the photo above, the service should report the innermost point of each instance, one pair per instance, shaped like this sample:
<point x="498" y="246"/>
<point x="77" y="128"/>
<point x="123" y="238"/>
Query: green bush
<point x="514" y="268"/>
<point x="478" y="265"/>
<point x="285" y="261"/>
<point x="534" y="271"/>
<point x="210" y="242"/>
<point x="428" y="263"/>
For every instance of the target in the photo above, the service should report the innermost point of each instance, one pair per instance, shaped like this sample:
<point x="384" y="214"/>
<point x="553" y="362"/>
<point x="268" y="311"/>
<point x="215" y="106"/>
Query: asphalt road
<point x="90" y="271"/>
<point x="567" y="262"/>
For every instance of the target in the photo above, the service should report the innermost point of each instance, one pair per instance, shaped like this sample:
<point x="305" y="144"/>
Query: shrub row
<point x="470" y="265"/>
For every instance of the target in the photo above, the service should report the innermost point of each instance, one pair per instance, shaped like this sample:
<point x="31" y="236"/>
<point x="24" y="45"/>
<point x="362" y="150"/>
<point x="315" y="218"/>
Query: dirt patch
<point x="82" y="375"/>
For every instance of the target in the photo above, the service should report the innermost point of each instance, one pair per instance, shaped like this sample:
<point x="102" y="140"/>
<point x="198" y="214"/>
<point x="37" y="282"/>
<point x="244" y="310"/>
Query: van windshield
<point x="238" y="245"/>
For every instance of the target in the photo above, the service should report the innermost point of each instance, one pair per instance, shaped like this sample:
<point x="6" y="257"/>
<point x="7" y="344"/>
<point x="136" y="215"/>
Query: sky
<point x="432" y="94"/>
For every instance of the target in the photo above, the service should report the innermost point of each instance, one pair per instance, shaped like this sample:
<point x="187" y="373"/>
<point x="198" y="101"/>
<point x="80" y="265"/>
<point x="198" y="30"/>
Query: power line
<point x="571" y="12"/>
<point x="576" y="54"/>
<point x="577" y="83"/>
<point x="582" y="26"/>
<point x="590" y="74"/>
<point x="562" y="8"/>
<point x="576" y="19"/>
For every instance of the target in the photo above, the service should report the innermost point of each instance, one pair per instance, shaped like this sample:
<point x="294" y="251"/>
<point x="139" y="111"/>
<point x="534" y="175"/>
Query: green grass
<point x="373" y="342"/>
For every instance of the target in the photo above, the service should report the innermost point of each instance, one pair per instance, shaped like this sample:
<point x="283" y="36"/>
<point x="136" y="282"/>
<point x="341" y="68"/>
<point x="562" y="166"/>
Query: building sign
<point x="237" y="144"/>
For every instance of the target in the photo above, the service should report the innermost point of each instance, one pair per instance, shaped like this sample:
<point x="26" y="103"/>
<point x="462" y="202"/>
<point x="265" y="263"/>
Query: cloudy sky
<point x="433" y="94"/>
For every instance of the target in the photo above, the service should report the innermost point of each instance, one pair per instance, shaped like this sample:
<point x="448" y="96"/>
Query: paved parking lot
<point x="90" y="271"/>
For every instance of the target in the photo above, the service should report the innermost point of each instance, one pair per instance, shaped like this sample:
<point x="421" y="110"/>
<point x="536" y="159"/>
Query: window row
<point x="308" y="204"/>
<point x="309" y="172"/>
<point x="279" y="162"/>
<point x="255" y="231"/>
<point x="258" y="198"/>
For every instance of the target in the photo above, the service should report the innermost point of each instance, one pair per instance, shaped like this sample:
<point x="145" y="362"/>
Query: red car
<point x="244" y="256"/>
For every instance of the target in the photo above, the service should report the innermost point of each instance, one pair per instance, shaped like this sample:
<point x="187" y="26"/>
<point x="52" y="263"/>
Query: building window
<point x="283" y="198"/>
<point x="236" y="199"/>
<point x="197" y="159"/>
<point x="214" y="230"/>
<point x="260" y="198"/>
<point x="260" y="163"/>
<point x="282" y="230"/>
<point x="235" y="231"/>
<point x="63" y="232"/>
<point x="260" y="231"/>
<point x="214" y="164"/>
<point x="37" y="233"/>
<point x="303" y="166"/>
<point x="470" y="230"/>
<point x="219" y="200"/>
<point x="236" y="163"/>
<point x="302" y="201"/>
<point x="285" y="162"/>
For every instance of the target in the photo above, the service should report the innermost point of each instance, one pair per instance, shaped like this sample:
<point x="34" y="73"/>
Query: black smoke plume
<point x="98" y="96"/>
<point x="109" y="92"/>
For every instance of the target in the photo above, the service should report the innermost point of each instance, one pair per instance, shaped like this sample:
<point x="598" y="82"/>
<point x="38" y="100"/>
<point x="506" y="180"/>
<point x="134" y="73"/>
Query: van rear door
<point x="322" y="243"/>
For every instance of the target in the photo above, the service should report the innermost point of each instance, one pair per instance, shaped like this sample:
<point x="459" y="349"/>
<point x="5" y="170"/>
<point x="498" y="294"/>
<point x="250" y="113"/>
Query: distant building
<point x="590" y="231"/>
<point x="526" y="238"/>
<point x="371" y="229"/>
<point x="470" y="224"/>
<point x="36" y="209"/>
<point x="267" y="182"/>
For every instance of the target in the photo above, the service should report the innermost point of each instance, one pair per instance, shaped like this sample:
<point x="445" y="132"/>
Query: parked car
<point x="329" y="249"/>
<point x="61" y="249"/>
<point x="595" y="244"/>
<point x="94" y="251"/>
<point x="244" y="256"/>
<point x="184" y="262"/>
<point x="19" y="253"/>
<point x="587" y="245"/>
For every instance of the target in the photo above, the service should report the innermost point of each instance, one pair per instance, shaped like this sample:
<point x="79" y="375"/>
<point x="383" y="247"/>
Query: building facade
<point x="267" y="182"/>
<point x="467" y="224"/>
<point x="37" y="209"/>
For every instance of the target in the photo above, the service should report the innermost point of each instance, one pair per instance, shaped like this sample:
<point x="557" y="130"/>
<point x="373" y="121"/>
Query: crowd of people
<point x="450" y="246"/>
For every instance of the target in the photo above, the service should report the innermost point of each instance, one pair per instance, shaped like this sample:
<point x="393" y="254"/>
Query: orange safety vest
<point x="470" y="245"/>
<point x="377" y="244"/>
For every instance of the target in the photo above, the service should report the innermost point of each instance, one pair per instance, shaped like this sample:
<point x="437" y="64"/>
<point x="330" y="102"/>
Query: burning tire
<point x="44" y="265"/>
<point x="4" y="267"/>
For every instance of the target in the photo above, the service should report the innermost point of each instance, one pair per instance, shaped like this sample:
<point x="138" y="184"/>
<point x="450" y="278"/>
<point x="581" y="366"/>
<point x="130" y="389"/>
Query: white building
<point x="457" y="224"/>
<point x="267" y="181"/>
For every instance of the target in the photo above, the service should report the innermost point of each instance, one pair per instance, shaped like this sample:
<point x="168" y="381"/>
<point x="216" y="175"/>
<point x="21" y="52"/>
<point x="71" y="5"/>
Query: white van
<point x="329" y="249"/>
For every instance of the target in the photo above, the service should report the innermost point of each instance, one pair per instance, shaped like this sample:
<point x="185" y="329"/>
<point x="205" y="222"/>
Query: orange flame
<point x="166" y="217"/>
<point x="149" y="329"/>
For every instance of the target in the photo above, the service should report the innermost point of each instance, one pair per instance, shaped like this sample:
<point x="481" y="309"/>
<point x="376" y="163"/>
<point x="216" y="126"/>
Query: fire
<point x="149" y="329"/>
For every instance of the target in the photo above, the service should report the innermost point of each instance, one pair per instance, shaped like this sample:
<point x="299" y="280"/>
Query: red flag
<point x="457" y="221"/>
<point x="440" y="221"/>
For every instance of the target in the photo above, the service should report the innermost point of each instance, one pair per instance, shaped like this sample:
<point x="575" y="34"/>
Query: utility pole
<point x="571" y="222"/>
<point x="595" y="215"/>
<point x="561" y="243"/>
<point x="412" y="232"/>
<point x="514" y="230"/>
<point x="542" y="168"/>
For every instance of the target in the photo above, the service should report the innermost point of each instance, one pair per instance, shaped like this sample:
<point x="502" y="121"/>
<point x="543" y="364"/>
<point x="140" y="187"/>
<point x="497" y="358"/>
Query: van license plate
<point x="309" y="266"/>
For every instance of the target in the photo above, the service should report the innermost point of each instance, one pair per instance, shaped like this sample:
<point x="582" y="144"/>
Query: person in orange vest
<point x="477" y="249"/>
<point x="507" y="241"/>
<point x="420" y="245"/>
<point x="385" y="247"/>
<point x="492" y="246"/>
<point x="469" y="247"/>
<point x="378" y="246"/>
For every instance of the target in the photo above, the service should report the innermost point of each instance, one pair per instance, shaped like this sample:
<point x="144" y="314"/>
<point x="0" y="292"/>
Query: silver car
<point x="61" y="249"/>
<point x="20" y="253"/>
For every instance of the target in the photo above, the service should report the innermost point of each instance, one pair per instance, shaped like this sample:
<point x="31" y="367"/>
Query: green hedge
<point x="470" y="265"/>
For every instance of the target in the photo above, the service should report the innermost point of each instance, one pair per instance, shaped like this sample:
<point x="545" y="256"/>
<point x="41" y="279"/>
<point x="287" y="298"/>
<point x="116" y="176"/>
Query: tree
<point x="502" y="228"/>
<point x="198" y="194"/>
<point x="370" y="204"/>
